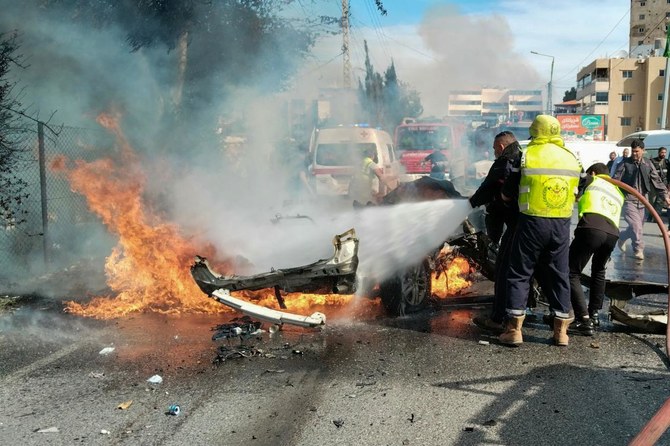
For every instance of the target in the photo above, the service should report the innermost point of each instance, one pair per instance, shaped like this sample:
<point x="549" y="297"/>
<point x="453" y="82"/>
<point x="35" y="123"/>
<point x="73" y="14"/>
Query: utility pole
<point x="550" y="85"/>
<point x="666" y="84"/>
<point x="346" y="68"/>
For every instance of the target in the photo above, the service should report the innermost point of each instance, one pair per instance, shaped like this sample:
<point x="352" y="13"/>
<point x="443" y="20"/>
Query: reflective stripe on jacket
<point x="602" y="198"/>
<point x="549" y="180"/>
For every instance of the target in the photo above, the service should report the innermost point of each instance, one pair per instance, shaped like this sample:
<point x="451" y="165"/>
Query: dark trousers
<point x="495" y="222"/>
<point x="589" y="242"/>
<point x="539" y="244"/>
<point x="500" y="284"/>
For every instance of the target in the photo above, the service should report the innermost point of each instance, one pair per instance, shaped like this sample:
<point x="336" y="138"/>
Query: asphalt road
<point x="365" y="379"/>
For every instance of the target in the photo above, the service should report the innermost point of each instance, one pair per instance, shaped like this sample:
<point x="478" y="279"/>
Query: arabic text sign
<point x="587" y="127"/>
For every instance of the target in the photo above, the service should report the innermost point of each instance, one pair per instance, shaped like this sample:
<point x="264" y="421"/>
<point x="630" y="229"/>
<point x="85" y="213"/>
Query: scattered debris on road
<point x="156" y="379"/>
<point x="224" y="353"/>
<point x="125" y="405"/>
<point x="48" y="430"/>
<point x="174" y="410"/>
<point x="338" y="423"/>
<point x="242" y="327"/>
<point x="106" y="350"/>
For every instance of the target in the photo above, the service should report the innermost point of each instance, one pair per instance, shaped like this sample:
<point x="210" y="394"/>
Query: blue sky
<point x="412" y="11"/>
<point x="438" y="44"/>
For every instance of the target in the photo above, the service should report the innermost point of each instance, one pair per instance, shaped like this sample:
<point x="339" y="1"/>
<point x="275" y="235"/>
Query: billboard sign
<point x="582" y="127"/>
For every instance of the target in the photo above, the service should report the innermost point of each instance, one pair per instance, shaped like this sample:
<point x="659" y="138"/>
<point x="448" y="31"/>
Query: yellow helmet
<point x="545" y="126"/>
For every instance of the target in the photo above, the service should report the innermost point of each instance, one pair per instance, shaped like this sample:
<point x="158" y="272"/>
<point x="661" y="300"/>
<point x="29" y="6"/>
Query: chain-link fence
<point x="55" y="222"/>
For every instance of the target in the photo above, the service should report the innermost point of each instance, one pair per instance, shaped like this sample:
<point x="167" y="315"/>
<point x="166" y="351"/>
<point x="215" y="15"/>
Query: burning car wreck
<point x="335" y="275"/>
<point x="406" y="291"/>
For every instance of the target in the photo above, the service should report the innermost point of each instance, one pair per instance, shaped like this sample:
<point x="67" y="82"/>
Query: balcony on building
<point x="566" y="107"/>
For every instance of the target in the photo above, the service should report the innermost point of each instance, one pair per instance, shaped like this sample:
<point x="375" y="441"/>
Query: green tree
<point x="385" y="100"/>
<point x="217" y="48"/>
<point x="13" y="129"/>
<point x="570" y="94"/>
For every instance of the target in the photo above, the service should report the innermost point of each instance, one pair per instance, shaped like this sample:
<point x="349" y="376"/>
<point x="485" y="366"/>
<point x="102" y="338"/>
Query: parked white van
<point x="653" y="139"/>
<point x="591" y="152"/>
<point x="336" y="153"/>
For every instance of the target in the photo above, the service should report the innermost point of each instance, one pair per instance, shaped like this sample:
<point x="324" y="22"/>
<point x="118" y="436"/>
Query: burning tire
<point x="407" y="292"/>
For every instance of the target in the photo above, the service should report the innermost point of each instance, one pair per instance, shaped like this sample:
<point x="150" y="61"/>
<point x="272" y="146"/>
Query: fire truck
<point x="415" y="140"/>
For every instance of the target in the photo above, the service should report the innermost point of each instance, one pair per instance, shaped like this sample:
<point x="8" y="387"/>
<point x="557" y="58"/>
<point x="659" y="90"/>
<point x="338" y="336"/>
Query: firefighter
<point x="498" y="216"/>
<point x="545" y="183"/>
<point x="596" y="235"/>
<point x="362" y="188"/>
<point x="439" y="165"/>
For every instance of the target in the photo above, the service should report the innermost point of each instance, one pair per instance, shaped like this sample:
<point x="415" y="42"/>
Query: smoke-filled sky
<point x="440" y="45"/>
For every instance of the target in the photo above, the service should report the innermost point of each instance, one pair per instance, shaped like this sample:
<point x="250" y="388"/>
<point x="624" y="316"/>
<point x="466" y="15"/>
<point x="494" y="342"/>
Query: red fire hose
<point x="660" y="422"/>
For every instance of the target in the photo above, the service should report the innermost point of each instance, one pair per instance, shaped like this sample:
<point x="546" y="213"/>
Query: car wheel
<point x="407" y="292"/>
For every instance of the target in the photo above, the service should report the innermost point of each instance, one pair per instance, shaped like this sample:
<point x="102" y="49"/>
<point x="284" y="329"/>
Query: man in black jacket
<point x="639" y="173"/>
<point x="661" y="164"/>
<point x="499" y="215"/>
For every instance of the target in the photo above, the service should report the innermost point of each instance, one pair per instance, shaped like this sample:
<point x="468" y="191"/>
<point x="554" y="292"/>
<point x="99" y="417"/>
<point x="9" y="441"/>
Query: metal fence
<point x="54" y="219"/>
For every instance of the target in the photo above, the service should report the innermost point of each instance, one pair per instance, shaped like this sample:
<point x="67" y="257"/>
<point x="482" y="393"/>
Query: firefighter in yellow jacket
<point x="545" y="183"/>
<point x="596" y="235"/>
<point x="368" y="184"/>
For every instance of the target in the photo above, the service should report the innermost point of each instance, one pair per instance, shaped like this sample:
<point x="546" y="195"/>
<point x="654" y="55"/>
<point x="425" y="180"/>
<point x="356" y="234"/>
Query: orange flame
<point x="295" y="302"/>
<point x="149" y="268"/>
<point x="454" y="279"/>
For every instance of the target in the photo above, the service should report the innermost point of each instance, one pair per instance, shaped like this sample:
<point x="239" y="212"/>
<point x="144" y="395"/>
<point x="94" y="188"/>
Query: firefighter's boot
<point x="561" y="331"/>
<point x="512" y="334"/>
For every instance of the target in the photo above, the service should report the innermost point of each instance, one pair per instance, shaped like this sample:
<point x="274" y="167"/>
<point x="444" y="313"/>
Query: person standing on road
<point x="618" y="160"/>
<point x="596" y="235"/>
<point x="661" y="164"/>
<point x="610" y="163"/>
<point x="362" y="188"/>
<point x="546" y="185"/>
<point x="640" y="174"/>
<point x="499" y="216"/>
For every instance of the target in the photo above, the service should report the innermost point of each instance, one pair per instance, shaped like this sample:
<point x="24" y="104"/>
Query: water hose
<point x="660" y="422"/>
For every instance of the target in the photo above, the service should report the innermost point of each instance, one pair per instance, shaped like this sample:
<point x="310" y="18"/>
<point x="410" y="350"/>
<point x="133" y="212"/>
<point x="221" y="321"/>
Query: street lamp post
<point x="550" y="85"/>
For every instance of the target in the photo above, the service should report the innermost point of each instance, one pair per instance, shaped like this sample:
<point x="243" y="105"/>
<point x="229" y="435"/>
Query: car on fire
<point x="405" y="292"/>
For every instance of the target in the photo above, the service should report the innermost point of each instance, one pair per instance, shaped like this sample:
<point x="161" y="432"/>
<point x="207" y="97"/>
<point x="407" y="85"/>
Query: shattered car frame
<point x="405" y="292"/>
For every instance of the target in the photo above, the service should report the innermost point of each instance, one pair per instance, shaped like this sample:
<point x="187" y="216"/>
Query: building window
<point x="667" y="15"/>
<point x="627" y="74"/>
<point x="625" y="121"/>
<point x="661" y="73"/>
<point x="658" y="121"/>
<point x="640" y="29"/>
<point x="602" y="97"/>
<point x="641" y="16"/>
<point x="660" y="96"/>
<point x="640" y="42"/>
<point x="626" y="97"/>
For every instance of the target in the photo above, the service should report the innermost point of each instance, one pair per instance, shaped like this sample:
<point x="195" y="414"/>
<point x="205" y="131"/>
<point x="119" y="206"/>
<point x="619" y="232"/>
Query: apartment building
<point x="496" y="104"/>
<point x="628" y="91"/>
<point x="648" y="25"/>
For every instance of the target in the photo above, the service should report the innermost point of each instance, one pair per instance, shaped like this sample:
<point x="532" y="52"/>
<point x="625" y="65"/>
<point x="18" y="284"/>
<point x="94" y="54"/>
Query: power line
<point x="379" y="29"/>
<point x="579" y="65"/>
